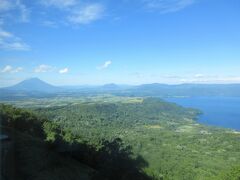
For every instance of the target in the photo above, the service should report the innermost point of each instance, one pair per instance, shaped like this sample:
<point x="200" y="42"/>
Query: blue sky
<point x="74" y="42"/>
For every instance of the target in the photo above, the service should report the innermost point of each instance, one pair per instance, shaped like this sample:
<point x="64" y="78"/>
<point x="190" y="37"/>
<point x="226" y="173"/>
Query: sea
<point x="217" y="111"/>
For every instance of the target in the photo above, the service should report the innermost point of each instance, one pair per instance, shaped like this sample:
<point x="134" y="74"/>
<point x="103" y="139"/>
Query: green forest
<point x="123" y="138"/>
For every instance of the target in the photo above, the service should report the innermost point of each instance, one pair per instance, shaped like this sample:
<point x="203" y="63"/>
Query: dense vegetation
<point x="129" y="138"/>
<point x="42" y="150"/>
<point x="107" y="120"/>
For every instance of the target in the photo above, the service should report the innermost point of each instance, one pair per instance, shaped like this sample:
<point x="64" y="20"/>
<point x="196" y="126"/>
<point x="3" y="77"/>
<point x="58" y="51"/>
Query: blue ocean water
<point x="217" y="111"/>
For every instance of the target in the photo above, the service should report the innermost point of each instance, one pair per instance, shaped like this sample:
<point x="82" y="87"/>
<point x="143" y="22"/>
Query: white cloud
<point x="10" y="69"/>
<point x="87" y="14"/>
<point x="18" y="69"/>
<point x="43" y="68"/>
<point x="5" y="34"/>
<point x="63" y="71"/>
<point x="211" y="79"/>
<point x="12" y="10"/>
<point x="6" y="69"/>
<point x="199" y="75"/>
<point x="59" y="3"/>
<point x="75" y="11"/>
<point x="105" y="65"/>
<point x="167" y="6"/>
<point x="5" y="5"/>
<point x="8" y="8"/>
<point x="23" y="10"/>
<point x="18" y="46"/>
<point x="10" y="42"/>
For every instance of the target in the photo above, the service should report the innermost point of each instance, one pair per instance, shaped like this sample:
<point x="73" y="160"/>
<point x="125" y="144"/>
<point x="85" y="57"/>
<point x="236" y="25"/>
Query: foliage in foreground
<point x="120" y="140"/>
<point x="38" y="157"/>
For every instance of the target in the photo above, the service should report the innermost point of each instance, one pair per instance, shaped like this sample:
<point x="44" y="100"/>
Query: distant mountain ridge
<point x="187" y="90"/>
<point x="33" y="84"/>
<point x="110" y="86"/>
<point x="35" y="87"/>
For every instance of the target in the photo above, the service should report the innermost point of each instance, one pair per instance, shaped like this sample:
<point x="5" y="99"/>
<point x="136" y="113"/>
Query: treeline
<point x="43" y="150"/>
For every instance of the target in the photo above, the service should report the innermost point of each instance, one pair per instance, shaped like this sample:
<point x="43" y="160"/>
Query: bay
<point x="217" y="111"/>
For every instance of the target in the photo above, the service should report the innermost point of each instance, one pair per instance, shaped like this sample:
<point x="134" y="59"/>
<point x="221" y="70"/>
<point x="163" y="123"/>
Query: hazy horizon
<point x="71" y="42"/>
<point x="96" y="85"/>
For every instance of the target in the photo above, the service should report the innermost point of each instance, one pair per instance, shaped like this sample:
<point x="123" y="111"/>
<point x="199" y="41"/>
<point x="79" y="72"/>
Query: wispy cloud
<point x="7" y="68"/>
<point x="18" y="69"/>
<point x="5" y="5"/>
<point x="48" y="23"/>
<point x="199" y="75"/>
<point x="23" y="10"/>
<point x="87" y="14"/>
<point x="19" y="46"/>
<point x="77" y="12"/>
<point x="63" y="71"/>
<point x="5" y="34"/>
<point x="10" y="69"/>
<point x="105" y="65"/>
<point x="16" y="7"/>
<point x="201" y="78"/>
<point x="167" y="6"/>
<point x="8" y="41"/>
<point x="59" y="3"/>
<point x="12" y="11"/>
<point x="43" y="68"/>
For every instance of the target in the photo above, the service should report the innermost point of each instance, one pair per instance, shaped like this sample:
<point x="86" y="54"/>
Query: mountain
<point x="36" y="88"/>
<point x="186" y="90"/>
<point x="33" y="84"/>
<point x="110" y="86"/>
